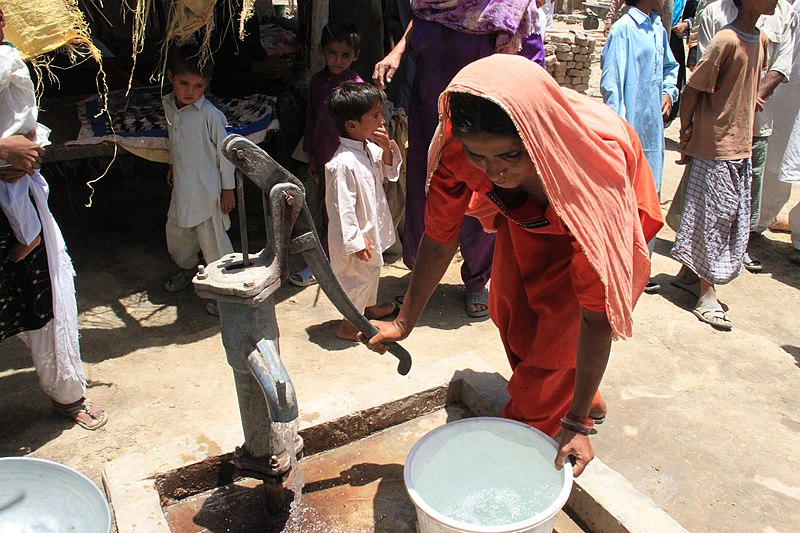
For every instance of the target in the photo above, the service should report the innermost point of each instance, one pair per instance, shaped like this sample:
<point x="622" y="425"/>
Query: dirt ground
<point x="706" y="423"/>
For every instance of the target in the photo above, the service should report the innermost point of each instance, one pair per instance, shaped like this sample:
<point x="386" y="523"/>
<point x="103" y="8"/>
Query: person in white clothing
<point x="37" y="292"/>
<point x="201" y="177"/>
<point x="18" y="115"/>
<point x="782" y="167"/>
<point x="360" y="225"/>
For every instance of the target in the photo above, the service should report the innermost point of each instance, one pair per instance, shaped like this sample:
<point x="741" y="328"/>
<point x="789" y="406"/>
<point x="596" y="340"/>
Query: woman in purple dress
<point x="446" y="36"/>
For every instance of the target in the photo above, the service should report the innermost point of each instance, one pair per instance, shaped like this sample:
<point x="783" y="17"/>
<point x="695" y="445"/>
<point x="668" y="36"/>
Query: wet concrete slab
<point x="353" y="470"/>
<point x="356" y="487"/>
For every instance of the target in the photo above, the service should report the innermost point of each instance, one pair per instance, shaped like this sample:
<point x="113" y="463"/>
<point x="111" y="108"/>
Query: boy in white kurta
<point x="201" y="177"/>
<point x="360" y="225"/>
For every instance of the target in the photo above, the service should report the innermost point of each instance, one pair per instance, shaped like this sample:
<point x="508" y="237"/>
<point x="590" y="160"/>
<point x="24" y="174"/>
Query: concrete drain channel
<point x="352" y="472"/>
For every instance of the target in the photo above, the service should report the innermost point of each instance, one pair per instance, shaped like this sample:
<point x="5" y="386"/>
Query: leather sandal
<point x="83" y="406"/>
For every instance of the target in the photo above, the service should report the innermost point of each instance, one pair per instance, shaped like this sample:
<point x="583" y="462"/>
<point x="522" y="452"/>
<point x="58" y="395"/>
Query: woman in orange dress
<point x="564" y="184"/>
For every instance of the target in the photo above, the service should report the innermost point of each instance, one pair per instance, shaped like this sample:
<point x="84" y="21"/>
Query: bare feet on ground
<point x="18" y="251"/>
<point x="347" y="331"/>
<point x="476" y="308"/>
<point x="378" y="311"/>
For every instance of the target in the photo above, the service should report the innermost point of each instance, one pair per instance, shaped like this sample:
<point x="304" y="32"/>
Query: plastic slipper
<point x="478" y="298"/>
<point x="304" y="278"/>
<point x="751" y="263"/>
<point x="399" y="299"/>
<point x="713" y="315"/>
<point x="652" y="287"/>
<point x="86" y="406"/>
<point x="691" y="288"/>
<point x="179" y="282"/>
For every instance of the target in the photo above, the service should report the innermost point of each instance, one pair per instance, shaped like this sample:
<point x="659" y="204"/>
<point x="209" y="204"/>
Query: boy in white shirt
<point x="18" y="115"/>
<point x="201" y="177"/>
<point x="360" y="225"/>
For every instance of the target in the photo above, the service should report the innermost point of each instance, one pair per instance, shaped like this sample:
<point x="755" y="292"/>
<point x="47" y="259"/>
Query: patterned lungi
<point x="715" y="225"/>
<point x="26" y="298"/>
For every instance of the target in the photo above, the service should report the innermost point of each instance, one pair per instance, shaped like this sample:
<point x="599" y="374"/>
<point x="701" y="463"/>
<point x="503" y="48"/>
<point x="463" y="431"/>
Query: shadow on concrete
<point x="774" y="259"/>
<point x="794" y="351"/>
<point x="27" y="416"/>
<point x="675" y="295"/>
<point x="663" y="247"/>
<point x="671" y="146"/>
<point x="324" y="336"/>
<point x="445" y="310"/>
<point x="392" y="509"/>
<point x="246" y="509"/>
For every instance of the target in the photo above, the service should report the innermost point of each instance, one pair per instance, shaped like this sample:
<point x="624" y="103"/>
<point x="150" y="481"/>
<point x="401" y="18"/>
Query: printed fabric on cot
<point x="533" y="250"/>
<point x="715" y="224"/>
<point x="727" y="76"/>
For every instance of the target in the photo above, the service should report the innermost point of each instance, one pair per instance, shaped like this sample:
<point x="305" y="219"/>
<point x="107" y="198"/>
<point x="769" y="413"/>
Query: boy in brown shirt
<point x="717" y="112"/>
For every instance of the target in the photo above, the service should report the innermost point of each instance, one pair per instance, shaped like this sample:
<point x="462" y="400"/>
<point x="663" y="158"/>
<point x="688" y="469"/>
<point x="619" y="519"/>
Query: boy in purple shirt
<point x="340" y="45"/>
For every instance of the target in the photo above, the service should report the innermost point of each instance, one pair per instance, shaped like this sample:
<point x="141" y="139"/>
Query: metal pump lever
<point x="285" y="191"/>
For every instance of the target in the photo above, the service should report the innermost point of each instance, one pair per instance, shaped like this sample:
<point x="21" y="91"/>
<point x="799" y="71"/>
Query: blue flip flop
<point x="304" y="278"/>
<point x="478" y="298"/>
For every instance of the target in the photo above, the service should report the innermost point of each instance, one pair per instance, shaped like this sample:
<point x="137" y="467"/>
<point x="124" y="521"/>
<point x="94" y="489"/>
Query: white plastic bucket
<point x="490" y="462"/>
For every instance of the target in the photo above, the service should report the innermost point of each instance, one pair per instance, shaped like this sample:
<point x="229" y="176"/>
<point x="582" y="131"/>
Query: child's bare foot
<point x="378" y="311"/>
<point x="347" y="331"/>
<point x="19" y="251"/>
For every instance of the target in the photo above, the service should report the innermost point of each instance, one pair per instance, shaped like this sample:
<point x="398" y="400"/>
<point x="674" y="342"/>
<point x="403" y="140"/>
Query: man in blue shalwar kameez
<point x="639" y="80"/>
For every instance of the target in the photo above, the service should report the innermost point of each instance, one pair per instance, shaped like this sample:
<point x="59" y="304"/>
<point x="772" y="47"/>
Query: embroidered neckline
<point x="534" y="223"/>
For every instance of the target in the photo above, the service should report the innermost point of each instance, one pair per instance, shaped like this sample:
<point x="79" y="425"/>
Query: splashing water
<point x="287" y="432"/>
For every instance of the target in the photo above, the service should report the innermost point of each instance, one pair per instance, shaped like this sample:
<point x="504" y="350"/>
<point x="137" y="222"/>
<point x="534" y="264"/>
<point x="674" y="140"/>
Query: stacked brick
<point x="571" y="18"/>
<point x="568" y="58"/>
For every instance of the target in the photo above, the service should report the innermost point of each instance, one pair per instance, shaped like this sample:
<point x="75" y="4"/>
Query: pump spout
<point x="267" y="368"/>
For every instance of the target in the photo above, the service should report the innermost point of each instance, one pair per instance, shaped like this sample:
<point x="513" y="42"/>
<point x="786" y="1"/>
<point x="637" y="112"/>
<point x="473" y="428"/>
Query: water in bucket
<point x="487" y="472"/>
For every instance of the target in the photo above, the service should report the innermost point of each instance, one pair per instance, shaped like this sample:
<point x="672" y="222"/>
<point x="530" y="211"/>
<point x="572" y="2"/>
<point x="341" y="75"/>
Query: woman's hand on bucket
<point x="577" y="448"/>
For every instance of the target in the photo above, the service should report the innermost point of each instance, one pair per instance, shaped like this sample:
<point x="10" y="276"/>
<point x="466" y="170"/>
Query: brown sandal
<point x="83" y="406"/>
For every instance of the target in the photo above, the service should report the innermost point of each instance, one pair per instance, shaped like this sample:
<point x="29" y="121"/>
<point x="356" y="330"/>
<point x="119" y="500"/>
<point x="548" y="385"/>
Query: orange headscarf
<point x="590" y="162"/>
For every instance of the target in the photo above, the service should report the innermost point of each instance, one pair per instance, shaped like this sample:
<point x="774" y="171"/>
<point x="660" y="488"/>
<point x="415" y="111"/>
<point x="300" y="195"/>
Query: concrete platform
<point x="141" y="486"/>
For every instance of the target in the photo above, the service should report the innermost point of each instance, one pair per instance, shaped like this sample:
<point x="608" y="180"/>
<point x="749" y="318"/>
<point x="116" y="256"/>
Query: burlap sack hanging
<point x="37" y="27"/>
